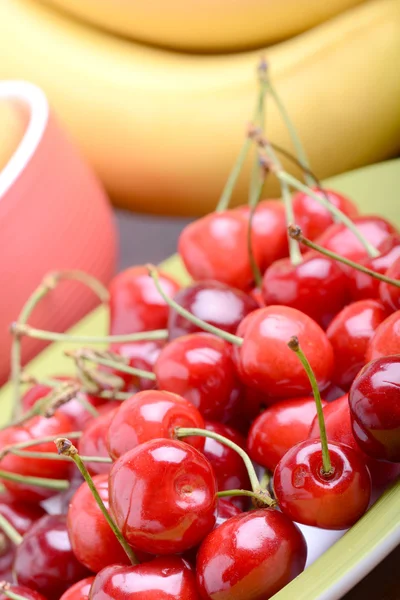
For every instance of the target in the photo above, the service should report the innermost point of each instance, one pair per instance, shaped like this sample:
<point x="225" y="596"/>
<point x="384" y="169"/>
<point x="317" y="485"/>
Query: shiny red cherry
<point x="390" y="294"/>
<point x="79" y="591"/>
<point x="374" y="400"/>
<point x="317" y="286"/>
<point x="268" y="231"/>
<point x="18" y="513"/>
<point x="135" y="304"/>
<point x="250" y="557"/>
<point x="386" y="339"/>
<point x="36" y="427"/>
<point x="363" y="286"/>
<point x="199" y="367"/>
<point x="93" y="542"/>
<point x="164" y="578"/>
<point x="339" y="239"/>
<point x="148" y="415"/>
<point x="330" y="501"/>
<point x="213" y="302"/>
<point x="94" y="442"/>
<point x="349" y="333"/>
<point x="278" y="428"/>
<point x="264" y="360"/>
<point x="141" y="355"/>
<point x="44" y="560"/>
<point x="23" y="591"/>
<point x="338" y="429"/>
<point x="216" y="247"/>
<point x="313" y="218"/>
<point x="162" y="495"/>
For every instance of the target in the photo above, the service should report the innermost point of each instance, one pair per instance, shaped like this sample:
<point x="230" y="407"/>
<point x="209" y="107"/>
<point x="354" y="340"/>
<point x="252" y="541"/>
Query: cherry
<point x="37" y="427"/>
<point x="7" y="554"/>
<point x="229" y="468"/>
<point x="199" y="367"/>
<point x="135" y="304"/>
<point x="264" y="360"/>
<point x="149" y="415"/>
<point x="18" y="513"/>
<point x="79" y="591"/>
<point x="225" y="510"/>
<point x="166" y="578"/>
<point x="313" y="218"/>
<point x="216" y="247"/>
<point x="141" y="355"/>
<point x="44" y="560"/>
<point x="23" y="591"/>
<point x="278" y="428"/>
<point x="308" y="495"/>
<point x="162" y="495"/>
<point x="250" y="557"/>
<point x="390" y="294"/>
<point x="349" y="333"/>
<point x="268" y="231"/>
<point x="94" y="442"/>
<point x="338" y="429"/>
<point x="374" y="400"/>
<point x="316" y="286"/>
<point x="213" y="302"/>
<point x="93" y="541"/>
<point x="386" y="339"/>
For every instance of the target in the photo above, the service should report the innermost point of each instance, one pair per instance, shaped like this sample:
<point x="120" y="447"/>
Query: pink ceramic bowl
<point x="54" y="214"/>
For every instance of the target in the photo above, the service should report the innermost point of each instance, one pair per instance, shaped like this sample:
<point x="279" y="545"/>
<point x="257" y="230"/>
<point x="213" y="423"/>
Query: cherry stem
<point x="260" y="497"/>
<point x="113" y="361"/>
<point x="295" y="232"/>
<point x="265" y="480"/>
<point x="36" y="442"/>
<point x="253" y="206"/>
<point x="52" y="456"/>
<point x="182" y="432"/>
<point x="51" y="484"/>
<point x="326" y="461"/>
<point x="10" y="530"/>
<point x="52" y="383"/>
<point x="65" y="446"/>
<point x="228" y="337"/>
<point x="5" y="591"/>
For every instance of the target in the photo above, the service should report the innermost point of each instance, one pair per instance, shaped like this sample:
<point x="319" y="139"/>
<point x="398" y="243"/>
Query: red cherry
<point x="199" y="367"/>
<point x="374" y="400"/>
<point x="313" y="218"/>
<point x="349" y="333"/>
<point x="216" y="247"/>
<point x="390" y="294"/>
<point x="135" y="304"/>
<point x="162" y="495"/>
<point x="36" y="427"/>
<point x="339" y="239"/>
<point x="18" y="513"/>
<point x="278" y="428"/>
<point x="307" y="495"/>
<point x="92" y="540"/>
<point x="268" y="231"/>
<point x="23" y="591"/>
<point x="225" y="510"/>
<point x="94" y="442"/>
<point x="7" y="554"/>
<point x="164" y="578"/>
<point x="264" y="360"/>
<point x="250" y="557"/>
<point x="149" y="415"/>
<point x="338" y="429"/>
<point x="79" y="591"/>
<point x="44" y="560"/>
<point x="141" y="355"/>
<point x="386" y="339"/>
<point x="213" y="302"/>
<point x="363" y="286"/>
<point x="317" y="286"/>
<point x="229" y="468"/>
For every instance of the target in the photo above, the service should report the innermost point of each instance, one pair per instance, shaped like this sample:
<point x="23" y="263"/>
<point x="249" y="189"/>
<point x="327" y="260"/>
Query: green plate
<point x="376" y="190"/>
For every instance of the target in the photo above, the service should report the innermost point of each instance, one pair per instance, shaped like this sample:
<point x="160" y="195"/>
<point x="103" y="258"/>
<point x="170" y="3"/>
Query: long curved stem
<point x="51" y="484"/>
<point x="53" y="456"/>
<point x="53" y="336"/>
<point x="261" y="498"/>
<point x="10" y="530"/>
<point x="36" y="442"/>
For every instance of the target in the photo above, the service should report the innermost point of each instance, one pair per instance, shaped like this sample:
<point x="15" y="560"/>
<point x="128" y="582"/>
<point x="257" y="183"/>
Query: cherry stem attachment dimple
<point x="182" y="432"/>
<point x="65" y="446"/>
<point x="295" y="232"/>
<point x="294" y="345"/>
<point x="228" y="337"/>
<point x="10" y="530"/>
<point x="8" y="593"/>
<point x="261" y="498"/>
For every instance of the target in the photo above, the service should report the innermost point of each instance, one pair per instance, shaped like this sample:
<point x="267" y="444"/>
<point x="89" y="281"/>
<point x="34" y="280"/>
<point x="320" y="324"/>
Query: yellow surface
<point x="12" y="128"/>
<point x="162" y="129"/>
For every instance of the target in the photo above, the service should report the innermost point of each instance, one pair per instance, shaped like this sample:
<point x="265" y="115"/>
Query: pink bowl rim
<point x="35" y="99"/>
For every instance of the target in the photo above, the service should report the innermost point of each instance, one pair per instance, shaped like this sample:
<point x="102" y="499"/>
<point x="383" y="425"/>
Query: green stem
<point x="119" y="366"/>
<point x="10" y="530"/>
<point x="253" y="263"/>
<point x="326" y="461"/>
<point x="51" y="484"/>
<point x="36" y="442"/>
<point x="9" y="593"/>
<point x="229" y="337"/>
<point x="91" y="282"/>
<point x="52" y="336"/>
<point x="265" y="480"/>
<point x="108" y="394"/>
<point x="53" y="456"/>
<point x="261" y="498"/>
<point x="64" y="446"/>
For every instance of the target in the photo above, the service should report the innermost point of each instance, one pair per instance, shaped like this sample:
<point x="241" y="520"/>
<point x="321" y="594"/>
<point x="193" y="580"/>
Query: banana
<point x="162" y="129"/>
<point x="209" y="25"/>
